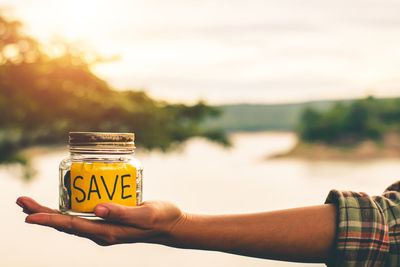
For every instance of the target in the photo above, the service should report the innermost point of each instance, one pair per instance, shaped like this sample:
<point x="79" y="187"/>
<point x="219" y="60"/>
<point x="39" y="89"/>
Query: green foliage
<point x="262" y="117"/>
<point x="351" y="123"/>
<point x="42" y="98"/>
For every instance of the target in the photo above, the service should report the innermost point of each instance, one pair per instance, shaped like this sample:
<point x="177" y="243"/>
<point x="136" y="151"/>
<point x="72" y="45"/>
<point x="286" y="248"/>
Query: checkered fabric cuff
<point x="362" y="230"/>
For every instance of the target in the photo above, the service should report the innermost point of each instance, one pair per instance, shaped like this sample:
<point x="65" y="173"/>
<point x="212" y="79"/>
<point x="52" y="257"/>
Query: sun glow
<point x="229" y="51"/>
<point x="73" y="19"/>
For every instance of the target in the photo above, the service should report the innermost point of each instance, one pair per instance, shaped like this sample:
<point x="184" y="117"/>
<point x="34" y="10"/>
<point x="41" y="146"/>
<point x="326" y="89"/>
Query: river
<point x="201" y="177"/>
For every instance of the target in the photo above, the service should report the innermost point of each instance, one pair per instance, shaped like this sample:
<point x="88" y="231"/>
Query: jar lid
<point x="101" y="139"/>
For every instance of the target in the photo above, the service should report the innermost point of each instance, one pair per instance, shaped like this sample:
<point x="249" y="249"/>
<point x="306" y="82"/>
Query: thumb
<point x="139" y="216"/>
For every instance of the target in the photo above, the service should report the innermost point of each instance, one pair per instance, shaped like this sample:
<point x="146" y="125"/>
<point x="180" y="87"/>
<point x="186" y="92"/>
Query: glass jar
<point x="101" y="168"/>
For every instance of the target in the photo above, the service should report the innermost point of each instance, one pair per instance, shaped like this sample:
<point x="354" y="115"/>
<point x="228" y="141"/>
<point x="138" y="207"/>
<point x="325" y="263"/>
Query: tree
<point x="42" y="98"/>
<point x="362" y="119"/>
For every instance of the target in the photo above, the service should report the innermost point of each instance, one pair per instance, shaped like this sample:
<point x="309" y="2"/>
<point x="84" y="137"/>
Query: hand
<point x="152" y="221"/>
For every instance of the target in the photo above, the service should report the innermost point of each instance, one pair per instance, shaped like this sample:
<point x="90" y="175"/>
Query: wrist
<point x="171" y="234"/>
<point x="178" y="225"/>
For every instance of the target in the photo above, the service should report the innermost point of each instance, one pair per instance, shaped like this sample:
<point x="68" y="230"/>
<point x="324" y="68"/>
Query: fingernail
<point x="20" y="204"/>
<point x="101" y="211"/>
<point x="27" y="219"/>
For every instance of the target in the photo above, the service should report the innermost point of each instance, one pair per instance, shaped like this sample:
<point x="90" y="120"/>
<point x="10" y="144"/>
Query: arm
<point x="302" y="234"/>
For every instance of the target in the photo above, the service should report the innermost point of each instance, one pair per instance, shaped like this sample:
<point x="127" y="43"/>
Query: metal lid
<point x="101" y="139"/>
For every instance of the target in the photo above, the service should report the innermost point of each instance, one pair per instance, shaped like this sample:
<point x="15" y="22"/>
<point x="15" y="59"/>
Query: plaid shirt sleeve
<point x="368" y="228"/>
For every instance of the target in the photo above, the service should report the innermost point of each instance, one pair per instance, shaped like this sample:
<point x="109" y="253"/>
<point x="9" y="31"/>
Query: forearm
<point x="301" y="234"/>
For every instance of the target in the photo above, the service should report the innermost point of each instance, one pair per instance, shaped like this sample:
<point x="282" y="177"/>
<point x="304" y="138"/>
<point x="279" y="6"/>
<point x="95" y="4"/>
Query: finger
<point x="31" y="206"/>
<point x="100" y="232"/>
<point x="64" y="222"/>
<point x="26" y="211"/>
<point x="140" y="216"/>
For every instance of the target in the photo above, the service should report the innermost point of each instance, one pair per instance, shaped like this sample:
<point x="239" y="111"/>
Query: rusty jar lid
<point x="101" y="139"/>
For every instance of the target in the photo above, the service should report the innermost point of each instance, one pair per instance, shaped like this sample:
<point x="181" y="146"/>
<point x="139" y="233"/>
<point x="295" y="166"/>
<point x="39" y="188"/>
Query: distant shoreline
<point x="389" y="147"/>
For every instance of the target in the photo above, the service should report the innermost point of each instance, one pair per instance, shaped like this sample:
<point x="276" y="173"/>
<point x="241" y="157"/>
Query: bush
<point x="362" y="119"/>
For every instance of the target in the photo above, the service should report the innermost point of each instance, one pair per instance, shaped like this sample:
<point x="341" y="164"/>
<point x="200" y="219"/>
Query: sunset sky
<point x="229" y="51"/>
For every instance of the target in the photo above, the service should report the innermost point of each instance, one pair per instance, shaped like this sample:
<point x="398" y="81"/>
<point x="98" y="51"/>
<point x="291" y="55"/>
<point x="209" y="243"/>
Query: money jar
<point x="101" y="168"/>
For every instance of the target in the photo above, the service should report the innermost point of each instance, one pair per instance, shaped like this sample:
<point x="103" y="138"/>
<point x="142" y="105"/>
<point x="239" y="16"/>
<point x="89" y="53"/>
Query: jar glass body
<point x="89" y="160"/>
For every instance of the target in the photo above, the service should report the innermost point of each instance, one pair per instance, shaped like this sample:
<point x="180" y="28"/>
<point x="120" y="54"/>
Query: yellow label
<point x="98" y="182"/>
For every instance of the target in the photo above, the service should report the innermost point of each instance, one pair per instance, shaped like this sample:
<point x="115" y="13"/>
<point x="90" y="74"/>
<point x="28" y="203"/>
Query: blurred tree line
<point x="43" y="97"/>
<point x="348" y="124"/>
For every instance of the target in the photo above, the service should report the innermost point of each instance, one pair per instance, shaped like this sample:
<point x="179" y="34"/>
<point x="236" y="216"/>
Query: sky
<point x="231" y="51"/>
